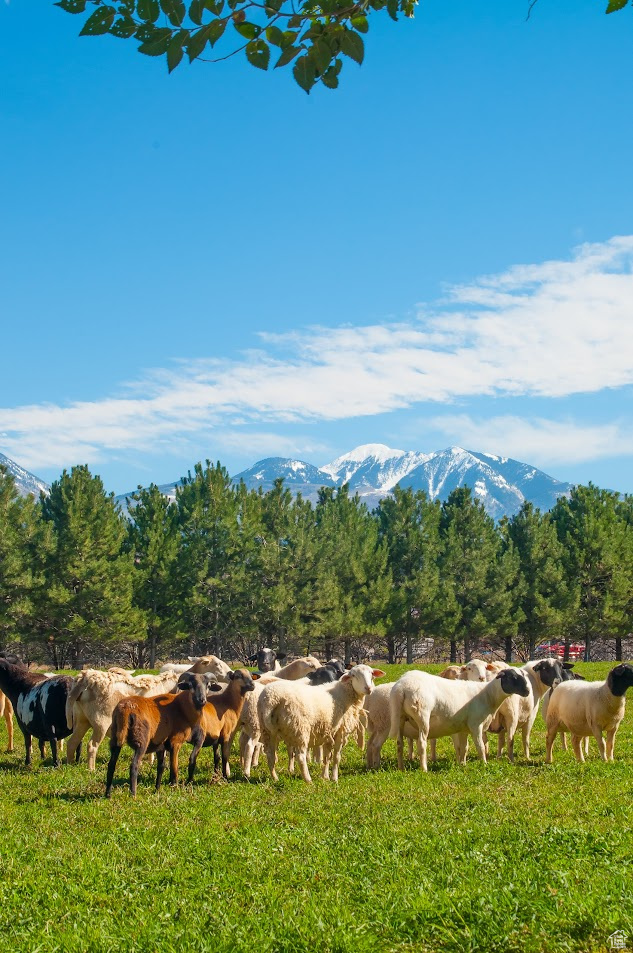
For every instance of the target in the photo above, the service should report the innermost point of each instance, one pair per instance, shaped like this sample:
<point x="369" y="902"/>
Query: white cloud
<point x="543" y="442"/>
<point x="548" y="330"/>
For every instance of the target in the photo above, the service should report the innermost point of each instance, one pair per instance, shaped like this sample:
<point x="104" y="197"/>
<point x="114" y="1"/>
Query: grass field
<point x="524" y="857"/>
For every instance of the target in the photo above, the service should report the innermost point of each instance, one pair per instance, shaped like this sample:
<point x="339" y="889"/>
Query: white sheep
<point x="517" y="712"/>
<point x="304" y="717"/>
<point x="589" y="708"/>
<point x="199" y="665"/>
<point x="440" y="707"/>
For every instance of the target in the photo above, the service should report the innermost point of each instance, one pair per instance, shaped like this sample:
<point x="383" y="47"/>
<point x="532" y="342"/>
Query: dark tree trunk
<point x="587" y="656"/>
<point x="391" y="650"/>
<point x="508" y="649"/>
<point x="532" y="646"/>
<point x="409" y="649"/>
<point x="566" y="651"/>
<point x="453" y="650"/>
<point x="618" y="649"/>
<point x="327" y="649"/>
<point x="348" y="651"/>
<point x="152" y="650"/>
<point x="466" y="648"/>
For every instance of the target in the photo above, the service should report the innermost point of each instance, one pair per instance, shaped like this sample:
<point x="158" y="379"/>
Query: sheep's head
<point x="362" y="678"/>
<point x="196" y="684"/>
<point x="620" y="678"/>
<point x="474" y="671"/>
<point x="244" y="679"/>
<point x="513" y="682"/>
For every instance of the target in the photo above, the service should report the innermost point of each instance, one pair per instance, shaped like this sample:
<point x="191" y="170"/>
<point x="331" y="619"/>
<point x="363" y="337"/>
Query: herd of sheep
<point x="313" y="708"/>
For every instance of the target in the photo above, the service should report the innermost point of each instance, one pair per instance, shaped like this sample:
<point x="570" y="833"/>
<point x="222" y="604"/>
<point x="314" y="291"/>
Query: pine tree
<point x="153" y="539"/>
<point x="409" y="525"/>
<point x="544" y="596"/>
<point x="89" y="576"/>
<point x="595" y="537"/>
<point x="354" y="581"/>
<point x="24" y="542"/>
<point x="467" y="568"/>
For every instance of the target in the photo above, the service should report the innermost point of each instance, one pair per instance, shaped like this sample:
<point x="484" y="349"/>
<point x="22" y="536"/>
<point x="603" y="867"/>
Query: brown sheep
<point x="219" y="721"/>
<point x="151" y="724"/>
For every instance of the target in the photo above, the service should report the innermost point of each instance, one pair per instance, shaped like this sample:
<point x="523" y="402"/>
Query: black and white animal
<point x="39" y="704"/>
<point x="267" y="660"/>
<point x="329" y="672"/>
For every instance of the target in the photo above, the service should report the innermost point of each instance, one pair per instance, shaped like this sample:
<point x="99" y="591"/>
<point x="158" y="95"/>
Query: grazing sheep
<point x="304" y="717"/>
<point x="219" y="721"/>
<point x="6" y="712"/>
<point x="589" y="708"/>
<point x="93" y="697"/>
<point x="545" y="703"/>
<point x="39" y="704"/>
<point x="520" y="712"/>
<point x="440" y="707"/>
<point x="151" y="724"/>
<point x="199" y="665"/>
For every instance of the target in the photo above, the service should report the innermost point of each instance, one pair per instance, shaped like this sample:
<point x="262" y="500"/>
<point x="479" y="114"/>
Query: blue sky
<point x="213" y="264"/>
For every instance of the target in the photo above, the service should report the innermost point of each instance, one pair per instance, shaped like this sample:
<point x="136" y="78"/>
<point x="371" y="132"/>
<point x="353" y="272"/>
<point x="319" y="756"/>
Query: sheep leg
<point x="586" y="745"/>
<point x="80" y="727"/>
<point x="374" y="746"/>
<point x="578" y="746"/>
<point x="98" y="734"/>
<point x="174" y="751"/>
<point x="510" y="746"/>
<point x="42" y="747"/>
<point x="410" y="749"/>
<point x="193" y="757"/>
<point x="270" y="747"/>
<point x="54" y="752"/>
<point x="216" y="756"/>
<point x="433" y="750"/>
<point x="134" y="768"/>
<point x="422" y="736"/>
<point x="602" y="748"/>
<point x="291" y="761"/>
<point x="28" y="746"/>
<point x="525" y="736"/>
<point x="249" y="751"/>
<point x="611" y="733"/>
<point x="478" y="740"/>
<point x="336" y="759"/>
<point x="501" y="740"/>
<point x="115" y="751"/>
<point x="563" y="740"/>
<point x="8" y="717"/>
<point x="303" y="764"/>
<point x="160" y="766"/>
<point x="226" y="751"/>
<point x="551" y="738"/>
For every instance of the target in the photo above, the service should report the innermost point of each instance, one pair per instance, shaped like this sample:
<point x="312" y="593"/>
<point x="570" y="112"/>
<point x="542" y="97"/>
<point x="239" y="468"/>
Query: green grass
<point x="523" y="857"/>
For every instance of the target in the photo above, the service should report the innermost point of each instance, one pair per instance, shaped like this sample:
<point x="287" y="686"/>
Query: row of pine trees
<point x="224" y="569"/>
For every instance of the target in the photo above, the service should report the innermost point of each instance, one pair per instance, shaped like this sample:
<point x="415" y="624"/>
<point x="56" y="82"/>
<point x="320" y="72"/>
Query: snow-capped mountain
<point x="25" y="482"/>
<point x="373" y="470"/>
<point x="296" y="474"/>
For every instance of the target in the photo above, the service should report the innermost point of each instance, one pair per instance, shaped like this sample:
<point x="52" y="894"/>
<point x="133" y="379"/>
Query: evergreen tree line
<point x="226" y="570"/>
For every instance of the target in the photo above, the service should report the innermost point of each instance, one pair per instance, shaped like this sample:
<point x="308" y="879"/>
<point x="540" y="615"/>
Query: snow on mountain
<point x="25" y="482"/>
<point x="373" y="470"/>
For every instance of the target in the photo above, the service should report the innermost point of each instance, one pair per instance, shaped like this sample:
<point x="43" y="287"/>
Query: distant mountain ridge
<point x="373" y="470"/>
<point x="25" y="482"/>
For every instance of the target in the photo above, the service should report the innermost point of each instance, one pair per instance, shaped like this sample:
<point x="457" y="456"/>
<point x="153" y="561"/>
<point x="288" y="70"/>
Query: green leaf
<point x="258" y="54"/>
<point x="215" y="6"/>
<point x="158" y="43"/>
<point x="352" y="45"/>
<point x="148" y="10"/>
<point x="174" y="10"/>
<point x="197" y="42"/>
<point x="330" y="77"/>
<point x="124" y="27"/>
<point x="392" y="9"/>
<point x="287" y="56"/>
<point x="295" y="23"/>
<point x="304" y="73"/>
<point x="250" y="31"/>
<point x="275" y="36"/>
<point x="98" y="22"/>
<point x="175" y="50"/>
<point x="322" y="55"/>
<point x="72" y="6"/>
<point x="360" y="24"/>
<point x="196" y="8"/>
<point x="216" y="29"/>
<point x="273" y="6"/>
<point x="616" y="5"/>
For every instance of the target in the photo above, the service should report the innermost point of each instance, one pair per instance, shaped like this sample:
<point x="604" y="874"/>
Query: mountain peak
<point x="367" y="451"/>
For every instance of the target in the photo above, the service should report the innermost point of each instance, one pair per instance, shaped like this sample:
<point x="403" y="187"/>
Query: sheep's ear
<point x="349" y="665"/>
<point x="230" y="675"/>
<point x="377" y="672"/>
<point x="490" y="668"/>
<point x="281" y="656"/>
<point x="568" y="664"/>
<point x="214" y="687"/>
<point x="502" y="672"/>
<point x="345" y="678"/>
<point x="255" y="676"/>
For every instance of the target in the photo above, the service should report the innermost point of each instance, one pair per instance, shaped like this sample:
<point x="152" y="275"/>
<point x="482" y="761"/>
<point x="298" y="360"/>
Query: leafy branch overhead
<point x="314" y="36"/>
